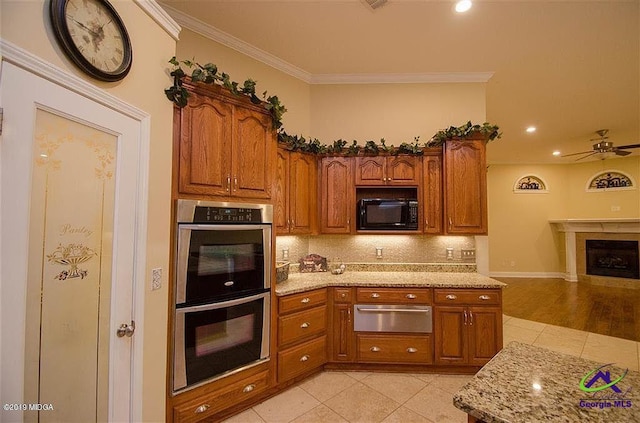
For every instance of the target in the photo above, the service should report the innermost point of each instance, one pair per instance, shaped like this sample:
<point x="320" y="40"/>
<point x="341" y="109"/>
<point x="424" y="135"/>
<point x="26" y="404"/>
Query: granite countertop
<point x="301" y="282"/>
<point x="523" y="383"/>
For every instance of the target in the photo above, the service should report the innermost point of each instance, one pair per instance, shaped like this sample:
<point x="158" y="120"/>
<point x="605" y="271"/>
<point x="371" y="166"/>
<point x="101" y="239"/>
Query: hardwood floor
<point x="582" y="306"/>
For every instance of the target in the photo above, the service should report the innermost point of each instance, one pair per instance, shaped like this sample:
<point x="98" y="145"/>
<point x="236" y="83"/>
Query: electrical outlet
<point x="379" y="252"/>
<point x="449" y="253"/>
<point x="156" y="278"/>
<point x="467" y="254"/>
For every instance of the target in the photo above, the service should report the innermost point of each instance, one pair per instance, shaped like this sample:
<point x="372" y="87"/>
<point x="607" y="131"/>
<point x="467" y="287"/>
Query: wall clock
<point x="93" y="36"/>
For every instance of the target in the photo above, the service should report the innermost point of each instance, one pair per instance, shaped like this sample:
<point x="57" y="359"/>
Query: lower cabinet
<point x="341" y="329"/>
<point x="468" y="329"/>
<point x="302" y="339"/>
<point x="392" y="348"/>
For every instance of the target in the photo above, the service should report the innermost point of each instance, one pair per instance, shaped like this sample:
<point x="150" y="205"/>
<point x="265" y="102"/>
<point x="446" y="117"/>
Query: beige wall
<point x="292" y="92"/>
<point x="521" y="240"/>
<point x="395" y="112"/>
<point x="25" y="24"/>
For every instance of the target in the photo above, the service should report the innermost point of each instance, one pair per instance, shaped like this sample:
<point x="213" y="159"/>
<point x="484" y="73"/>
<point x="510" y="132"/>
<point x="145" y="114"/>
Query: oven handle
<point x="393" y="310"/>
<point x="223" y="304"/>
<point x="233" y="226"/>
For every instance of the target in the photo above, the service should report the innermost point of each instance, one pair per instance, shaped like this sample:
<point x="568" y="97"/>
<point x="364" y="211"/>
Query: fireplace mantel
<point x="622" y="225"/>
<point x="572" y="226"/>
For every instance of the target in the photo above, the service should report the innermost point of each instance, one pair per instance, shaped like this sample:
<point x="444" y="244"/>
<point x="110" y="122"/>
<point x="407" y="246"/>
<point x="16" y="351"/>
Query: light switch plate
<point x="468" y="254"/>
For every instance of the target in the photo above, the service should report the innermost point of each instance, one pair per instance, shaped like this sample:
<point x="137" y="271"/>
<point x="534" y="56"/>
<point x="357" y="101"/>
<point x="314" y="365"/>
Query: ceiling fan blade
<point x="626" y="147"/>
<point x="621" y="152"/>
<point x="588" y="155"/>
<point x="575" y="154"/>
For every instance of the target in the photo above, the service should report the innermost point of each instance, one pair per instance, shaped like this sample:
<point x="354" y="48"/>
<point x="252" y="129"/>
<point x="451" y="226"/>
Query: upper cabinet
<point x="224" y="146"/>
<point x="337" y="195"/>
<point x="432" y="191"/>
<point x="465" y="187"/>
<point x="295" y="193"/>
<point x="388" y="170"/>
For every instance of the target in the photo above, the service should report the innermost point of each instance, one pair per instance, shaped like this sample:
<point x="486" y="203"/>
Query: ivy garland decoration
<point x="209" y="74"/>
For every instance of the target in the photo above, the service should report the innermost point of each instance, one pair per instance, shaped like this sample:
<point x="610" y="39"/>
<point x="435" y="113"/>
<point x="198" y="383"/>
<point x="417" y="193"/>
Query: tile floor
<point x="342" y="397"/>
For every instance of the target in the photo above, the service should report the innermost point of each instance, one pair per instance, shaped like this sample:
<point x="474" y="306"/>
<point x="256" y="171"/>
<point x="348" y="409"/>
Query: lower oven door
<point x="215" y="339"/>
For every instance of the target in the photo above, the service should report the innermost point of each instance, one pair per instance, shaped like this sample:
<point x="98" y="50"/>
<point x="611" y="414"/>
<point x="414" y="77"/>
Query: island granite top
<point x="302" y="282"/>
<point x="524" y="383"/>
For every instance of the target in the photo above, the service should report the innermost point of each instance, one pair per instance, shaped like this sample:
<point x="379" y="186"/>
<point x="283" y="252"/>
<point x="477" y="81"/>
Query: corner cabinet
<point x="295" y="206"/>
<point x="337" y="195"/>
<point x="216" y="136"/>
<point x="465" y="187"/>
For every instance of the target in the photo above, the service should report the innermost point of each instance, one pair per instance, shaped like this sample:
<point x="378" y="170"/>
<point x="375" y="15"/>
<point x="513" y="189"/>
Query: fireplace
<point x="613" y="258"/>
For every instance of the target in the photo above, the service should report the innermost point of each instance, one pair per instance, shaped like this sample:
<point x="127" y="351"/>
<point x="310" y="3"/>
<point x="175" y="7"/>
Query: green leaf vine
<point x="209" y="74"/>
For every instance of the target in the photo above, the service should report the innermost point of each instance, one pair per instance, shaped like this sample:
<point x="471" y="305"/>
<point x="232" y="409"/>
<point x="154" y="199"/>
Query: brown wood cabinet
<point x="341" y="328"/>
<point x="467" y="325"/>
<point x="302" y="340"/>
<point x="394" y="348"/>
<point x="224" y="146"/>
<point x="388" y="170"/>
<point x="337" y="195"/>
<point x="465" y="187"/>
<point x="295" y="205"/>
<point x="432" y="192"/>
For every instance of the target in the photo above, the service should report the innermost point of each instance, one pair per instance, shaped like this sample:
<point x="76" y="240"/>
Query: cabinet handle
<point x="228" y="183"/>
<point x="484" y="297"/>
<point x="465" y="317"/>
<point x="293" y="223"/>
<point x="375" y="295"/>
<point x="305" y="300"/>
<point x="249" y="388"/>
<point x="304" y="358"/>
<point x="202" y="408"/>
<point x="235" y="183"/>
<point x="305" y="325"/>
<point x="412" y="350"/>
<point x="384" y="179"/>
<point x="411" y="296"/>
<point x="450" y="223"/>
<point x="451" y="297"/>
<point x="289" y="224"/>
<point x="343" y="295"/>
<point x="470" y="318"/>
<point x="374" y="349"/>
<point x="389" y="179"/>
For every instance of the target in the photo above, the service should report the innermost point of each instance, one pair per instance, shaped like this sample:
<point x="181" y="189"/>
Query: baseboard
<point x="541" y="275"/>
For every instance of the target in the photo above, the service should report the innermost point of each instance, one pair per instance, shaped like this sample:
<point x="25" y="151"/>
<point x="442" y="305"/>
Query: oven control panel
<point x="205" y="214"/>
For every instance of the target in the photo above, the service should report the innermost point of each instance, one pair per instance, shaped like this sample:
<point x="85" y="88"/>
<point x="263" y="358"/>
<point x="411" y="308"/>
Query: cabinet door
<point x="342" y="333"/>
<point x="281" y="217"/>
<point x="303" y="193"/>
<point x="205" y="146"/>
<point x="450" y="335"/>
<point x="253" y="154"/>
<point x="403" y="170"/>
<point x="432" y="193"/>
<point x="336" y="195"/>
<point x="371" y="171"/>
<point x="485" y="333"/>
<point x="465" y="187"/>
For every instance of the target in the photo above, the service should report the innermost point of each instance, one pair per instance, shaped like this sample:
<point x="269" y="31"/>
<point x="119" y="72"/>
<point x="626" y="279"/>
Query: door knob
<point x="126" y="330"/>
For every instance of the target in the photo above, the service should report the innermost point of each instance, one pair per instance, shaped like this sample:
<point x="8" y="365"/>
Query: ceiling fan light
<point x="463" y="6"/>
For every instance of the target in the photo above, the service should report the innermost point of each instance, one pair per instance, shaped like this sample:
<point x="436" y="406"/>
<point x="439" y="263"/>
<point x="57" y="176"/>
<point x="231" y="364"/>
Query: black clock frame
<point x="57" y="10"/>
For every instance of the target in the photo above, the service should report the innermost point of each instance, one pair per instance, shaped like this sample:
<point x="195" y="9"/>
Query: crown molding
<point x="237" y="44"/>
<point x="214" y="34"/>
<point x="160" y="16"/>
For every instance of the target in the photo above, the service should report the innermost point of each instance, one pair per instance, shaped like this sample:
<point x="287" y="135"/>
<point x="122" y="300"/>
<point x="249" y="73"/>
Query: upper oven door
<point x="216" y="262"/>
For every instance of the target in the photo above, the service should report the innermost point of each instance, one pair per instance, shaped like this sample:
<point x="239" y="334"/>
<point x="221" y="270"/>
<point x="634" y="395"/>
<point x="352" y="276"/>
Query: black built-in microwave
<point x="387" y="214"/>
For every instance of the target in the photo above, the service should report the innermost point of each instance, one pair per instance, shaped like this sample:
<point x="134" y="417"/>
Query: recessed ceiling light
<point x="463" y="5"/>
<point x="556" y="153"/>
<point x="531" y="129"/>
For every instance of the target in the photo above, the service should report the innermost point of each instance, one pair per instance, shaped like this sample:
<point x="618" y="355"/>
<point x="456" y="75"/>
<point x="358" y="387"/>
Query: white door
<point x="69" y="184"/>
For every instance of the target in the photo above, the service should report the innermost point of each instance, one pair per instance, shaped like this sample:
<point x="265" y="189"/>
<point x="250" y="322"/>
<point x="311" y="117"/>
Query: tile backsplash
<point x="378" y="248"/>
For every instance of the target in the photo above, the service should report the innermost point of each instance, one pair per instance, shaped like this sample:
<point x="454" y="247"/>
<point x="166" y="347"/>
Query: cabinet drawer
<point x="302" y="358"/>
<point x="395" y="349"/>
<point x="302" y="301"/>
<point x="342" y="295"/>
<point x="467" y="296"/>
<point x="394" y="296"/>
<point x="216" y="401"/>
<point x="301" y="325"/>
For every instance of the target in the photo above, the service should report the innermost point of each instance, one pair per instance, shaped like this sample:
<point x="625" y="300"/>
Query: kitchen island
<point x="524" y="383"/>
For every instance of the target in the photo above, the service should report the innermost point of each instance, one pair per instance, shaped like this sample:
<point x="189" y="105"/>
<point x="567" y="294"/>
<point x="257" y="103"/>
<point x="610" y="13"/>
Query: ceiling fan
<point x="603" y="147"/>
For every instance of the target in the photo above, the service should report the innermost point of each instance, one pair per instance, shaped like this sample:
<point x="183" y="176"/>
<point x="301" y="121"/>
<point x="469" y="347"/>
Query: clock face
<point x="93" y="36"/>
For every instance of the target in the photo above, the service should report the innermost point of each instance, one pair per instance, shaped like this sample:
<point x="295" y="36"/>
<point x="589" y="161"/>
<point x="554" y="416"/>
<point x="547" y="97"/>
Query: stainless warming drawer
<point x="392" y="318"/>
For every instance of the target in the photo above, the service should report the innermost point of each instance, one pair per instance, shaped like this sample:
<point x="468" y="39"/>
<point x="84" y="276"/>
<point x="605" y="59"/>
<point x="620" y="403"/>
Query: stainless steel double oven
<point x="222" y="289"/>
